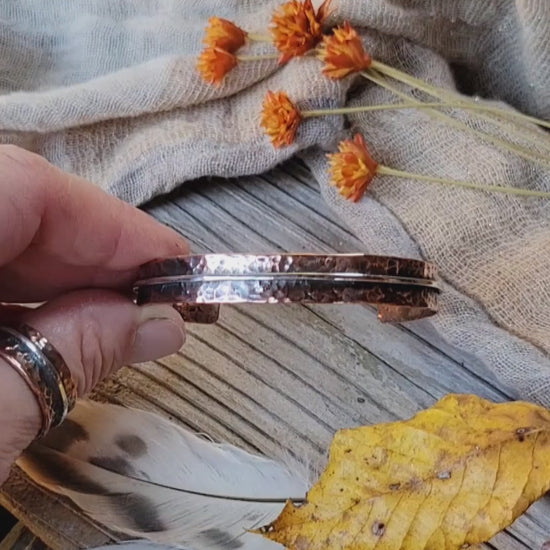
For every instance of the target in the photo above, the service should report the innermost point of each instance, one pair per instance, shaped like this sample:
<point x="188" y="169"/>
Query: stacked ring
<point x="44" y="371"/>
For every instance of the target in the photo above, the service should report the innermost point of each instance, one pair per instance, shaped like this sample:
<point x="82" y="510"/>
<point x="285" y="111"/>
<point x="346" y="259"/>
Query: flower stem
<point x="258" y="57"/>
<point x="520" y="151"/>
<point x="386" y="170"/>
<point x="442" y="93"/>
<point x="361" y="109"/>
<point x="383" y="107"/>
<point x="258" y="37"/>
<point x="501" y="117"/>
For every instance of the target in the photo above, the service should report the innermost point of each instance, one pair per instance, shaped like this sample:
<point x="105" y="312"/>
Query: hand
<point x="67" y="243"/>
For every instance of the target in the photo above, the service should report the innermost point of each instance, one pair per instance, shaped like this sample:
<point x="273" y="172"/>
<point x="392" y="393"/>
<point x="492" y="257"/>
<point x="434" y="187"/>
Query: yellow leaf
<point x="452" y="476"/>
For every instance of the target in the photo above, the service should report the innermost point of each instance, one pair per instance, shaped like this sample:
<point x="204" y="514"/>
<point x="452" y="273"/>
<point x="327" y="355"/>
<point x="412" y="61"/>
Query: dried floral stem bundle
<point x="449" y="95"/>
<point x="296" y="31"/>
<point x="527" y="154"/>
<point x="352" y="170"/>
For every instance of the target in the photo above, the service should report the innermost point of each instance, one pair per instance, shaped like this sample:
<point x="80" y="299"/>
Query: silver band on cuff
<point x="402" y="289"/>
<point x="44" y="371"/>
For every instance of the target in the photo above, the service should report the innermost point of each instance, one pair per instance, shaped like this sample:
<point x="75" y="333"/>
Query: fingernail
<point x="160" y="333"/>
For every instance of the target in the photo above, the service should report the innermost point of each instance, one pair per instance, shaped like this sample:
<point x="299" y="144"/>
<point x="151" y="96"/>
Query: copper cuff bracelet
<point x="401" y="289"/>
<point x="44" y="371"/>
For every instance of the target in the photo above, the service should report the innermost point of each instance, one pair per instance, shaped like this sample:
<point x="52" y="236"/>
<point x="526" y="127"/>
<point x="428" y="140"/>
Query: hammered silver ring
<point x="42" y="367"/>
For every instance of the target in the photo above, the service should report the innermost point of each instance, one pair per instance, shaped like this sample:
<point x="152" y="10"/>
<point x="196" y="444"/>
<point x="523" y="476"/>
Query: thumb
<point x="96" y="332"/>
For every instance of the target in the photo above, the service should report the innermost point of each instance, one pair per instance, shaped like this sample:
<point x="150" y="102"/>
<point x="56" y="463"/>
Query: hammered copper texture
<point x="283" y="291"/>
<point x="198" y="313"/>
<point x="197" y="300"/>
<point x="402" y="289"/>
<point x="245" y="264"/>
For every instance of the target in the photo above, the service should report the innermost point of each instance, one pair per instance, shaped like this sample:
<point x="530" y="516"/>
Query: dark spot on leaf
<point x="62" y="437"/>
<point x="140" y="512"/>
<point x="221" y="539"/>
<point x="360" y="400"/>
<point x="341" y="489"/>
<point x="377" y="459"/>
<point x="395" y="486"/>
<point x="520" y="432"/>
<point x="131" y="444"/>
<point x="116" y="464"/>
<point x="378" y="528"/>
<point x="347" y="451"/>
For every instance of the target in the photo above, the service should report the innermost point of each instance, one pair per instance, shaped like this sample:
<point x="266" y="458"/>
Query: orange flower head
<point x="343" y="53"/>
<point x="296" y="28"/>
<point x="280" y="118"/>
<point x="214" y="64"/>
<point x="224" y="34"/>
<point x="352" y="168"/>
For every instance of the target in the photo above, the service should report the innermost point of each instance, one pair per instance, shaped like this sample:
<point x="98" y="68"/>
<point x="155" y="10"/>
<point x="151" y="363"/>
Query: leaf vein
<point x="446" y="513"/>
<point x="390" y="519"/>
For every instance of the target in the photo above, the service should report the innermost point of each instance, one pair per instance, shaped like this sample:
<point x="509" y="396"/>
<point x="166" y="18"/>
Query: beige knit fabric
<point x="108" y="90"/>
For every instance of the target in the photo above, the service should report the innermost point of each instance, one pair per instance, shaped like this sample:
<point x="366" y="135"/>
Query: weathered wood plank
<point x="20" y="538"/>
<point x="49" y="517"/>
<point x="279" y="379"/>
<point x="306" y="191"/>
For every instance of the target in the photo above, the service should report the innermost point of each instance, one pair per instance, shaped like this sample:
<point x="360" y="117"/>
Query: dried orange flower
<point x="296" y="28"/>
<point x="215" y="63"/>
<point x="280" y="118"/>
<point x="343" y="53"/>
<point x="352" y="168"/>
<point x="224" y="34"/>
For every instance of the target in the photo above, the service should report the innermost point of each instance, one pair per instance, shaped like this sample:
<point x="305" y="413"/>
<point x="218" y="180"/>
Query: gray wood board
<point x="278" y="379"/>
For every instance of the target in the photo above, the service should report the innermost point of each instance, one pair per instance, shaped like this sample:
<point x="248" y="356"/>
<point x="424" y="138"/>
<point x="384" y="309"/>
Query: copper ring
<point x="401" y="289"/>
<point x="44" y="371"/>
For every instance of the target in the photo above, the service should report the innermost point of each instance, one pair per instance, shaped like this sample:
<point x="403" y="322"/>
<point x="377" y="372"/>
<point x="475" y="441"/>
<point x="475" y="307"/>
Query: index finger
<point x="59" y="232"/>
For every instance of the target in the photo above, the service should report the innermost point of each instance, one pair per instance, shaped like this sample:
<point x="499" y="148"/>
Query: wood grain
<point x="20" y="538"/>
<point x="277" y="379"/>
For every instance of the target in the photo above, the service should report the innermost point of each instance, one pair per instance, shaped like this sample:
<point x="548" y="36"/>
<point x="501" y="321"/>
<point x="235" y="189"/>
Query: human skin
<point x="66" y="244"/>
